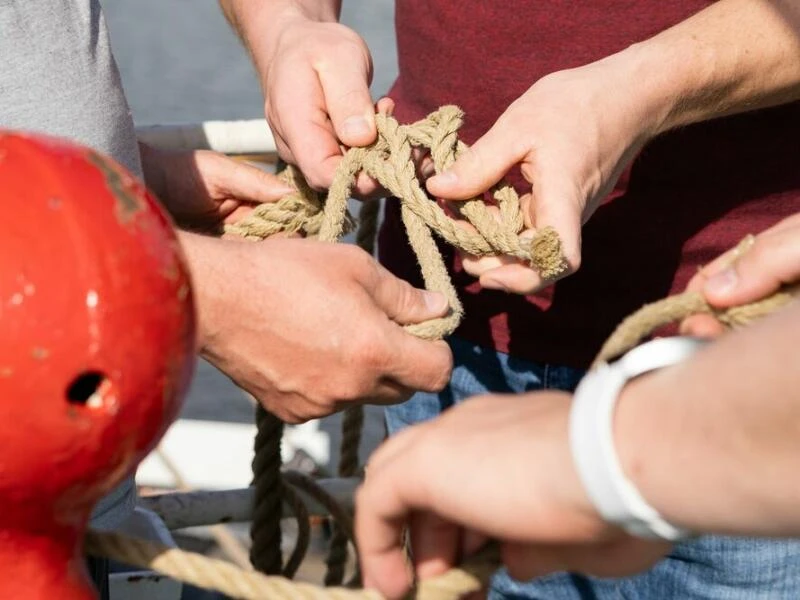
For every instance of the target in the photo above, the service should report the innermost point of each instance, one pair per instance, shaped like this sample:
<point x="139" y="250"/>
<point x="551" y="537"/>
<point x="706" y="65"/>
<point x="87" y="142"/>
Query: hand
<point x="438" y="479"/>
<point x="203" y="189"/>
<point x="573" y="133"/>
<point x="317" y="100"/>
<point x="744" y="275"/>
<point x="308" y="328"/>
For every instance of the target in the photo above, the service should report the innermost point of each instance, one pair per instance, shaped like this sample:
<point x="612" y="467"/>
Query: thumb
<point x="555" y="203"/>
<point x="772" y="261"/>
<point x="479" y="167"/>
<point x="405" y="304"/>
<point x="349" y="104"/>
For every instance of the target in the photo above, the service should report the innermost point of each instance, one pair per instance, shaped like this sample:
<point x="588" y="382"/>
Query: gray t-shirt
<point x="57" y="76"/>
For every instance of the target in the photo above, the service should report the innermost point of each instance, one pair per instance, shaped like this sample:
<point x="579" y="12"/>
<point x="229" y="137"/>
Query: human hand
<point x="572" y="133"/>
<point x="747" y="273"/>
<point x="202" y="189"/>
<point x="438" y="480"/>
<point x="308" y="328"/>
<point x="316" y="78"/>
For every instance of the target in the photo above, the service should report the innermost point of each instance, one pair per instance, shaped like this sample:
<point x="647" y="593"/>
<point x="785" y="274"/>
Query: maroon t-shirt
<point x="690" y="195"/>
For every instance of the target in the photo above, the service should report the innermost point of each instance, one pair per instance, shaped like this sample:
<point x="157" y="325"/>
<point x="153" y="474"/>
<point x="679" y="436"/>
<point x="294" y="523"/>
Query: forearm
<point x="734" y="56"/>
<point x="258" y="22"/>
<point x="208" y="261"/>
<point x="714" y="443"/>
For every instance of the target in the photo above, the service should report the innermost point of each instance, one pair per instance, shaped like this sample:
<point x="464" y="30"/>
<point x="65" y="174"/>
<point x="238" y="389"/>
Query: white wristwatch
<point x="592" y="440"/>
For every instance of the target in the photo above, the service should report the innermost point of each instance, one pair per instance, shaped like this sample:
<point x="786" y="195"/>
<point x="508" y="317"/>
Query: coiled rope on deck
<point x="389" y="160"/>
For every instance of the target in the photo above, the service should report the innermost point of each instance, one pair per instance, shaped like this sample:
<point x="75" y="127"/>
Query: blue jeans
<point x="709" y="568"/>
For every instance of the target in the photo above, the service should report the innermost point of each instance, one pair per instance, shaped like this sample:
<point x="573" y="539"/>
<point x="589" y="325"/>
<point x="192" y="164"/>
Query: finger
<point x="301" y="119"/>
<point x="348" y="102"/>
<point x="774" y="260"/>
<point x="435" y="544"/>
<point x="247" y="182"/>
<point x="702" y="326"/>
<point x="403" y="303"/>
<point x="514" y="278"/>
<point x="418" y="364"/>
<point x="472" y="541"/>
<point x="478" y="265"/>
<point x="367" y="188"/>
<point x="385" y="106"/>
<point x="481" y="166"/>
<point x="380" y="516"/>
<point x="524" y="562"/>
<point x="556" y="202"/>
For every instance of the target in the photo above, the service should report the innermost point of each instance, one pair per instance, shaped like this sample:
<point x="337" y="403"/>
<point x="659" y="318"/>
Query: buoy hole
<point x="85" y="389"/>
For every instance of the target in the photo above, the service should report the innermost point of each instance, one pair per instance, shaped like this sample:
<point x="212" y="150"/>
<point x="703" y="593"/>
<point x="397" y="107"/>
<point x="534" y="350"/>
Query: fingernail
<point x="722" y="283"/>
<point x="356" y="126"/>
<point x="446" y="179"/>
<point x="434" y="301"/>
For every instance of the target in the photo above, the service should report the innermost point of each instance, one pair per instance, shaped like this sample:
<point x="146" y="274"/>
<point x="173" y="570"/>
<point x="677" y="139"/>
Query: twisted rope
<point x="232" y="581"/>
<point x="265" y="531"/>
<point x="389" y="161"/>
<point x="634" y="328"/>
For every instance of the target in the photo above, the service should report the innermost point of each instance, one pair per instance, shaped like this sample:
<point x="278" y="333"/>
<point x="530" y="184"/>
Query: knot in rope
<point x="390" y="161"/>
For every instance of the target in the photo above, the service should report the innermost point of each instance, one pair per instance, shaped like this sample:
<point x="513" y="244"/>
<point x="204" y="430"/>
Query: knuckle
<point x="316" y="179"/>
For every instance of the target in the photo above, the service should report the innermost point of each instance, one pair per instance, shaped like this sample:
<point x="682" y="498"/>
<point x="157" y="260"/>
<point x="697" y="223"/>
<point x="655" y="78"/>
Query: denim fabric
<point x="709" y="568"/>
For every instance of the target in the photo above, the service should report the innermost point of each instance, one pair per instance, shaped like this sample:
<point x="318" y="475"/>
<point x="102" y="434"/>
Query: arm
<point x="693" y="434"/>
<point x="575" y="131"/>
<point x="712" y="452"/>
<point x="315" y="74"/>
<point x="307" y="327"/>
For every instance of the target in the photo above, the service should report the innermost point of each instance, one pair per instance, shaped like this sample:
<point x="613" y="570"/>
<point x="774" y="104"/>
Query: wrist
<point x="675" y="81"/>
<point x="262" y="25"/>
<point x="207" y="258"/>
<point x="593" y="444"/>
<point x="650" y="86"/>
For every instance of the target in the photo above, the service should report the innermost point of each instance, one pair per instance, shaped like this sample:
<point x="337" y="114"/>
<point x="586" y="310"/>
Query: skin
<point x="572" y="132"/>
<point x="537" y="508"/>
<point x="306" y="328"/>
<point x="202" y="189"/>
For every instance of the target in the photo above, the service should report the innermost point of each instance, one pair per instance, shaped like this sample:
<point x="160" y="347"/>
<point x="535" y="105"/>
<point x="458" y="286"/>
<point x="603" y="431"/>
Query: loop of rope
<point x="389" y="160"/>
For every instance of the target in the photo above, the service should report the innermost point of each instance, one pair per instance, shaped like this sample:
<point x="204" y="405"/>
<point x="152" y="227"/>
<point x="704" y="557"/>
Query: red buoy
<point x="96" y="350"/>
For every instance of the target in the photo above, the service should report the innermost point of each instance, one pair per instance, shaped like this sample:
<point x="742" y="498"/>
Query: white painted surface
<point x="214" y="455"/>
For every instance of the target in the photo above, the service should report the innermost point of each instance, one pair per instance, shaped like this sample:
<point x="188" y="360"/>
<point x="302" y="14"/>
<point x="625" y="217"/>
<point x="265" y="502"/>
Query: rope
<point x="675" y="308"/>
<point x="265" y="531"/>
<point x="234" y="582"/>
<point x="650" y="317"/>
<point x="389" y="161"/>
